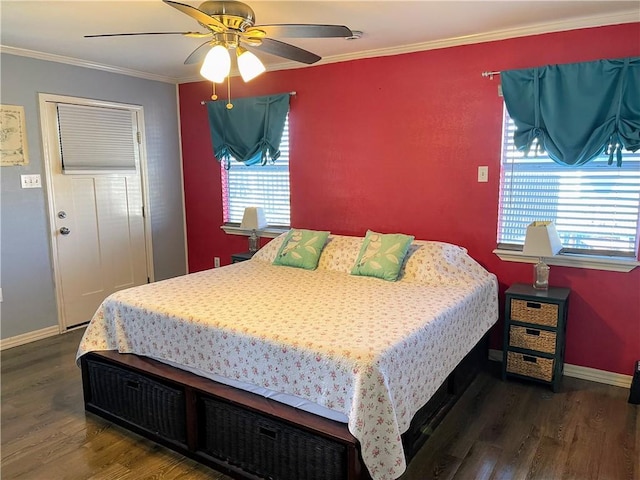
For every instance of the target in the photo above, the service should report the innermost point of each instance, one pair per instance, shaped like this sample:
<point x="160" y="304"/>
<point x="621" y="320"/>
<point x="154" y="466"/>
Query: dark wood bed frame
<point x="239" y="433"/>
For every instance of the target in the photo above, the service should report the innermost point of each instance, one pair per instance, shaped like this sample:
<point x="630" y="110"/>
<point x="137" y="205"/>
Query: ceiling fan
<point x="231" y="26"/>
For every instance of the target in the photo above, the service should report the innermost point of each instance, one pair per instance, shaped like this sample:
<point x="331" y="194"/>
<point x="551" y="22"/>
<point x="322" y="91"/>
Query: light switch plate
<point x="30" y="181"/>
<point x="483" y="174"/>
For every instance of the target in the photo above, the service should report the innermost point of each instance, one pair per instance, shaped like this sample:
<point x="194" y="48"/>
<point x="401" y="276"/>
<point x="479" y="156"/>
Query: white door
<point x="96" y="210"/>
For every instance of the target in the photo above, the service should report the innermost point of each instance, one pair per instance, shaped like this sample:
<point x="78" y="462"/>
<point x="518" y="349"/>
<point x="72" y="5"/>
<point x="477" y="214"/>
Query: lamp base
<point x="541" y="276"/>
<point x="253" y="242"/>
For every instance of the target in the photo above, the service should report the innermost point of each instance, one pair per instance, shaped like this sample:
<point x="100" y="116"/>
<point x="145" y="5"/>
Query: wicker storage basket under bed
<point x="259" y="444"/>
<point x="138" y="399"/>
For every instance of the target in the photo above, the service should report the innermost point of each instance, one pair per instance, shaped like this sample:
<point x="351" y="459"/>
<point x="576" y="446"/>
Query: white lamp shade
<point x="216" y="65"/>
<point x="249" y="65"/>
<point x="253" y="219"/>
<point x="542" y="240"/>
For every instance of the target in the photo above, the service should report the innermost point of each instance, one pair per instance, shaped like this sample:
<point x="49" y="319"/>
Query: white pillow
<point x="340" y="253"/>
<point x="435" y="263"/>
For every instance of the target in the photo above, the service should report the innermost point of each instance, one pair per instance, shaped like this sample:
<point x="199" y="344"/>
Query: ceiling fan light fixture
<point x="216" y="65"/>
<point x="249" y="65"/>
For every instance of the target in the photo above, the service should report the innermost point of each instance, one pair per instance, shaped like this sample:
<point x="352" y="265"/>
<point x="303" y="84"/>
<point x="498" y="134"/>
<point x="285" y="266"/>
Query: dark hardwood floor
<point x="496" y="431"/>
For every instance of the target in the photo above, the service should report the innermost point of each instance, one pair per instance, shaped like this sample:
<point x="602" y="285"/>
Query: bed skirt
<point x="239" y="433"/>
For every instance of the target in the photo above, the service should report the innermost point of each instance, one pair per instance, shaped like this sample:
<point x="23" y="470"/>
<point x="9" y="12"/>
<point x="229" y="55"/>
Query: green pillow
<point x="382" y="255"/>
<point x="301" y="248"/>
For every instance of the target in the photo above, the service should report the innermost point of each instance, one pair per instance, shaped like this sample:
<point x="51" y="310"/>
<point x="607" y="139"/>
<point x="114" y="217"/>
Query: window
<point x="97" y="139"/>
<point x="595" y="207"/>
<point x="265" y="186"/>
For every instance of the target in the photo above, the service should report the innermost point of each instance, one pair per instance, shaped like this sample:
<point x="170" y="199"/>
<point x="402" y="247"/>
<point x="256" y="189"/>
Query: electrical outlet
<point x="483" y="174"/>
<point x="216" y="262"/>
<point x="30" y="181"/>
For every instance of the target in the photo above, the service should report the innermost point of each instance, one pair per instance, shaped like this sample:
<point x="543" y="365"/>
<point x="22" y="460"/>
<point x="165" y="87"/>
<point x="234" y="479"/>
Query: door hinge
<point x="144" y="215"/>
<point x="139" y="137"/>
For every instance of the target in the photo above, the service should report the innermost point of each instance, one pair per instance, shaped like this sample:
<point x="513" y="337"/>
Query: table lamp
<point x="541" y="241"/>
<point x="253" y="219"/>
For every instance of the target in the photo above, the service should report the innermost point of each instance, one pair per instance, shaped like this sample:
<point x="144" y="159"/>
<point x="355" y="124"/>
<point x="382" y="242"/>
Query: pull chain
<point x="214" y="96"/>
<point x="229" y="104"/>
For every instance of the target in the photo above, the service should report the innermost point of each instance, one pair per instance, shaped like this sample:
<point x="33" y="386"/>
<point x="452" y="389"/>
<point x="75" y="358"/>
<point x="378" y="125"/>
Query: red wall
<point x="393" y="144"/>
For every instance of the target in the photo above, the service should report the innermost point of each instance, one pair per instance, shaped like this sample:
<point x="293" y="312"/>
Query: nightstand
<point x="534" y="333"/>
<point x="241" y="257"/>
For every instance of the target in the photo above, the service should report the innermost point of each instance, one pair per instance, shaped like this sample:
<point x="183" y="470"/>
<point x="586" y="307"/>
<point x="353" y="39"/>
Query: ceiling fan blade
<point x="198" y="54"/>
<point x="281" y="49"/>
<point x="199" y="15"/>
<point x="302" y="31"/>
<point x="187" y="34"/>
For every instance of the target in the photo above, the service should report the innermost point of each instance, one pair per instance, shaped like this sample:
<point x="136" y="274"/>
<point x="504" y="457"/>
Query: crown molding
<point x="52" y="57"/>
<point x="630" y="16"/>
<point x="538" y="29"/>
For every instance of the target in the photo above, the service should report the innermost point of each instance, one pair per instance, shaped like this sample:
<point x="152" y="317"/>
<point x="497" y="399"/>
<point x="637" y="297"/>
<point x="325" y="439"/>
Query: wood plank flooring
<point x="497" y="431"/>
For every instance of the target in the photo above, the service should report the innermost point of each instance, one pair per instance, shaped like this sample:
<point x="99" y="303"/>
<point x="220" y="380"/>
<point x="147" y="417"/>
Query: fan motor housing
<point x="235" y="15"/>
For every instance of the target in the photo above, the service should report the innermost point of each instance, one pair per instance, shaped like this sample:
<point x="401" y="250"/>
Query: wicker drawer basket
<point x="534" y="312"/>
<point x="264" y="446"/>
<point x="530" y="366"/>
<point x="532" y="339"/>
<point x="140" y="400"/>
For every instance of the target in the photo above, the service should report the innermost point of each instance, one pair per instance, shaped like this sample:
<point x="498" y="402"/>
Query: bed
<point x="362" y="355"/>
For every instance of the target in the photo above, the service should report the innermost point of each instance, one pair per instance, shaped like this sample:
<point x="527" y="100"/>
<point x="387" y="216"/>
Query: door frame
<point x="46" y="129"/>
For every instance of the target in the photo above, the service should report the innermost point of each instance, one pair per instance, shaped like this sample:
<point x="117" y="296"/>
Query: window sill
<point x="611" y="264"/>
<point x="269" y="232"/>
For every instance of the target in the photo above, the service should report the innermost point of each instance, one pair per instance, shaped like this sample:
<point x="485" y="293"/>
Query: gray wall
<point x="26" y="274"/>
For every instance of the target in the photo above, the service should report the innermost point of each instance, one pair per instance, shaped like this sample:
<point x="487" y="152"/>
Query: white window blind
<point x="97" y="138"/>
<point x="265" y="186"/>
<point x="595" y="207"/>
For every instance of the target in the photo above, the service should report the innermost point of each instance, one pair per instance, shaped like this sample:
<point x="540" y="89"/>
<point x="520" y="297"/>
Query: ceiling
<point x="55" y="29"/>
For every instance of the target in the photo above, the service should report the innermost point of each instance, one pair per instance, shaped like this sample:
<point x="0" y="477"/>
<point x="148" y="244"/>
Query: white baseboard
<point x="600" y="376"/>
<point x="584" y="373"/>
<point x="495" y="355"/>
<point x="29" y="337"/>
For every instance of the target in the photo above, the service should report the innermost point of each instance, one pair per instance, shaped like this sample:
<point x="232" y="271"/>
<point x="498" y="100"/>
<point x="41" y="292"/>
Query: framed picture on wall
<point x="13" y="136"/>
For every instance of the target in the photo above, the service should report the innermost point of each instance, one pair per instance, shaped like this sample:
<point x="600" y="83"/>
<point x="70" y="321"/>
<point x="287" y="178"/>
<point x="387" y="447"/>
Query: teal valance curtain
<point x="576" y="111"/>
<point x="251" y="131"/>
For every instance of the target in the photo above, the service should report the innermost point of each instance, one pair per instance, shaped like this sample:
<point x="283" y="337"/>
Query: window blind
<point x="595" y="207"/>
<point x="97" y="138"/>
<point x="265" y="186"/>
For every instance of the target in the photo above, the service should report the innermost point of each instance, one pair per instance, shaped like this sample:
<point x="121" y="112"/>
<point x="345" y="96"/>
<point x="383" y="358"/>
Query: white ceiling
<point x="55" y="29"/>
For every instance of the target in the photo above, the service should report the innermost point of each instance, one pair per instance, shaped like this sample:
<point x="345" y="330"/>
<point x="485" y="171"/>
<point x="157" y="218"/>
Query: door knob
<point x="65" y="231"/>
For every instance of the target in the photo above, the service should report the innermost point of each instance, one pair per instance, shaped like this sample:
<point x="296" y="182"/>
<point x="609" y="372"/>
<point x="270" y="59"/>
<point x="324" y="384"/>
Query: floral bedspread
<point x="373" y="350"/>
